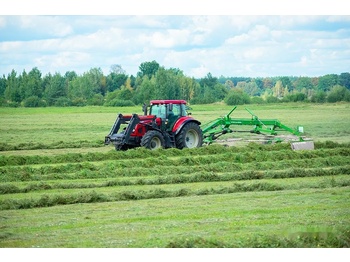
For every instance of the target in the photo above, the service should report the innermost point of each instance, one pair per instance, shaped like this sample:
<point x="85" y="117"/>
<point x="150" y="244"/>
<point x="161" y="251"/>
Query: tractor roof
<point x="157" y="102"/>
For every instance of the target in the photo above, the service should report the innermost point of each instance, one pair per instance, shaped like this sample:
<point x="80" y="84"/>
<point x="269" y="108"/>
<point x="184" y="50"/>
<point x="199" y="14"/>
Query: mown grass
<point x="201" y="155"/>
<point x="243" y="163"/>
<point x="111" y="193"/>
<point x="60" y="187"/>
<point x="42" y="128"/>
<point x="250" y="219"/>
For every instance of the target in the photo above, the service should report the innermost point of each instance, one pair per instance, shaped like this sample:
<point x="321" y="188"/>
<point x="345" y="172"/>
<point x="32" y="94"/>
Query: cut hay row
<point x="106" y="170"/>
<point x="38" y="181"/>
<point x="204" y="155"/>
<point x="71" y="196"/>
<point x="55" y="145"/>
<point x="196" y="177"/>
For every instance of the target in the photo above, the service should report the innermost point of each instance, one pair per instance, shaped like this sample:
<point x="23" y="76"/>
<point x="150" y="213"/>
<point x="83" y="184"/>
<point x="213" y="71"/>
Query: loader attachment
<point x="123" y="139"/>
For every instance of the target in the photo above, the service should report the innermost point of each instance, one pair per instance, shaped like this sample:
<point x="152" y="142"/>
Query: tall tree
<point x="344" y="80"/>
<point x="32" y="83"/>
<point x="303" y="82"/>
<point x="115" y="81"/>
<point x="148" y="69"/>
<point x="146" y="91"/>
<point x="96" y="80"/>
<point x="251" y="88"/>
<point x="70" y="75"/>
<point x="209" y="81"/>
<point x="260" y="84"/>
<point x="278" y="89"/>
<point x="268" y="83"/>
<point x="2" y="86"/>
<point x="326" y="82"/>
<point x="117" y="69"/>
<point x="338" y="93"/>
<point x="84" y="87"/>
<point x="167" y="84"/>
<point x="229" y="84"/>
<point x="12" y="91"/>
<point x="286" y="83"/>
<point x="188" y="87"/>
<point x="55" y="88"/>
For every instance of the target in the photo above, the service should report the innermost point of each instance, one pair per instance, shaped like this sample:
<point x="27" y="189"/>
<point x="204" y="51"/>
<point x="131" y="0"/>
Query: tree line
<point x="153" y="81"/>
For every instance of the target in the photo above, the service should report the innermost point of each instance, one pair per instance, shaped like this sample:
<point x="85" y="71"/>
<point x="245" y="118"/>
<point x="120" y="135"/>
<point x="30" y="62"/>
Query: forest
<point x="153" y="81"/>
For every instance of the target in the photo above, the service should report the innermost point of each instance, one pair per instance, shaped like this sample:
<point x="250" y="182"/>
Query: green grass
<point x="61" y="187"/>
<point x="233" y="220"/>
<point x="41" y="128"/>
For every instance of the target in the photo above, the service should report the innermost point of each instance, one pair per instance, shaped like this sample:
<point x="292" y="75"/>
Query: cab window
<point x="158" y="110"/>
<point x="183" y="110"/>
<point x="177" y="110"/>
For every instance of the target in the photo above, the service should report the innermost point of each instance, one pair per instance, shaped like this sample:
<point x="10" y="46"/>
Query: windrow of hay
<point x="9" y="188"/>
<point x="46" y="199"/>
<point x="181" y="157"/>
<point x="320" y="237"/>
<point x="55" y="145"/>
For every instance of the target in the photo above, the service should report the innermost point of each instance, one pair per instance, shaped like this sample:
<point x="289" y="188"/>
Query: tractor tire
<point x="153" y="140"/>
<point x="190" y="136"/>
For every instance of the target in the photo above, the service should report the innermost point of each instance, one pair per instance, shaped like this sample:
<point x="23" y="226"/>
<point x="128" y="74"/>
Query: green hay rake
<point x="268" y="127"/>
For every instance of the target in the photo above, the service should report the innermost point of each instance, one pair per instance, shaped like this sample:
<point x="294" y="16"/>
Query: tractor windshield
<point x="163" y="110"/>
<point x="158" y="110"/>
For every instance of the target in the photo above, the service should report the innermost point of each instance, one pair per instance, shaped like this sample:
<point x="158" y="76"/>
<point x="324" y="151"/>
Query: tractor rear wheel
<point x="190" y="136"/>
<point x="153" y="140"/>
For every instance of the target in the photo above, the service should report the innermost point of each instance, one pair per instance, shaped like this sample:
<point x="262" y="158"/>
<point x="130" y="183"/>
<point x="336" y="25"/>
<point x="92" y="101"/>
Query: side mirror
<point x="170" y="107"/>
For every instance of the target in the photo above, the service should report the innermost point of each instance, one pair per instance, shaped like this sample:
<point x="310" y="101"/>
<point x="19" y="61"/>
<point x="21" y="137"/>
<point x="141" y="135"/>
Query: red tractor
<point x="167" y="125"/>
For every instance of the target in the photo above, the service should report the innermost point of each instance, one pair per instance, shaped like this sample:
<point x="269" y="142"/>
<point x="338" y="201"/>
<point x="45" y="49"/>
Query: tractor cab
<point x="169" y="111"/>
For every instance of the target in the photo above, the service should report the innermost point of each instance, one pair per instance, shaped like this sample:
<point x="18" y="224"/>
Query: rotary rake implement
<point x="271" y="129"/>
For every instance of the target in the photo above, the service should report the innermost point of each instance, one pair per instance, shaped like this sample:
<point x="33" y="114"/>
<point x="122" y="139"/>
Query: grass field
<point x="61" y="187"/>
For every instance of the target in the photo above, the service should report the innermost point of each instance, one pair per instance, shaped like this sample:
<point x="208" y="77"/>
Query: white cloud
<point x="254" y="53"/>
<point x="2" y="21"/>
<point x="260" y="32"/>
<point x="201" y="71"/>
<point x="237" y="40"/>
<point x="167" y="39"/>
<point x="50" y="25"/>
<point x="7" y="47"/>
<point x="63" y="60"/>
<point x="337" y="18"/>
<point x="222" y="45"/>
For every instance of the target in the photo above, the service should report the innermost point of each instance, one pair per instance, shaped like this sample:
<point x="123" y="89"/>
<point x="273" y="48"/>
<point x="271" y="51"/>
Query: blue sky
<point x="243" y="43"/>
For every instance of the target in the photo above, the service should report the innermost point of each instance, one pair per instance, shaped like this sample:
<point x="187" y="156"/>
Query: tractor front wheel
<point x="153" y="140"/>
<point x="190" y="136"/>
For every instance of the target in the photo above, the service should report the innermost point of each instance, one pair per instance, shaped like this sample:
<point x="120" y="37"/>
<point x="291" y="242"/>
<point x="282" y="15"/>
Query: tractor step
<point x="304" y="145"/>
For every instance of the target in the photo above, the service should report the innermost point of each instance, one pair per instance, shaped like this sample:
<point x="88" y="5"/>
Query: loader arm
<point x="122" y="138"/>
